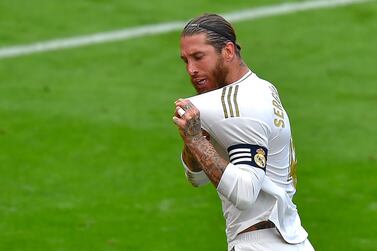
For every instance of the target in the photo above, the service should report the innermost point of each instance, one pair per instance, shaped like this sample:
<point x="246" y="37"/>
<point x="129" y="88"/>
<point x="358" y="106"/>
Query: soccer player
<point x="237" y="135"/>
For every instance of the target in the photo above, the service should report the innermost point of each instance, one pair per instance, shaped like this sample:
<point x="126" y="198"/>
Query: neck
<point x="236" y="72"/>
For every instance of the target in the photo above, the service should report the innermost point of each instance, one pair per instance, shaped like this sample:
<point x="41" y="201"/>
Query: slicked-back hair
<point x="219" y="31"/>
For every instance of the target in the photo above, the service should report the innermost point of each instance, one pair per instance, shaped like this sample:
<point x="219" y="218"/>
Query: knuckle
<point x="188" y="116"/>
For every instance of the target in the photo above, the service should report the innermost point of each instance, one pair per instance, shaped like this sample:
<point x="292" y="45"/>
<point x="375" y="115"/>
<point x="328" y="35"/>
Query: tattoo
<point x="210" y="161"/>
<point x="190" y="161"/>
<point x="199" y="153"/>
<point x="193" y="128"/>
<point x="186" y="107"/>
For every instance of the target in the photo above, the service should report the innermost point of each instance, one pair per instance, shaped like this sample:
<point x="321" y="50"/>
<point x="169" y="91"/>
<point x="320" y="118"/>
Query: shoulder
<point x="255" y="97"/>
<point x="210" y="107"/>
<point x="256" y="88"/>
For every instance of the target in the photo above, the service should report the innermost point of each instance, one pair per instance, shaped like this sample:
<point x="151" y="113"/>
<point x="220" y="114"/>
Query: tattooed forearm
<point x="210" y="161"/>
<point x="193" y="128"/>
<point x="199" y="153"/>
<point x="190" y="160"/>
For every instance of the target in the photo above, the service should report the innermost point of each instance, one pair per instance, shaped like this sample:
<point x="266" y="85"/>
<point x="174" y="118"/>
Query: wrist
<point x="188" y="160"/>
<point x="195" y="140"/>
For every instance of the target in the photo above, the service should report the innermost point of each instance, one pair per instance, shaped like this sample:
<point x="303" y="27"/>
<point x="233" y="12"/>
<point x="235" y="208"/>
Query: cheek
<point x="209" y="63"/>
<point x="204" y="66"/>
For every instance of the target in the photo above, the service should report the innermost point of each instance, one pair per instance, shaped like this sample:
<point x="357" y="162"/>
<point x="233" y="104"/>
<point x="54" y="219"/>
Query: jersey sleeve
<point x="246" y="142"/>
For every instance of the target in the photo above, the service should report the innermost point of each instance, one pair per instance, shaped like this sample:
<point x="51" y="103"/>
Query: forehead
<point x="195" y="42"/>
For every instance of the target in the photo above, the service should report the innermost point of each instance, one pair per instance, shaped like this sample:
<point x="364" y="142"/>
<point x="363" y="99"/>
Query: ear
<point x="229" y="51"/>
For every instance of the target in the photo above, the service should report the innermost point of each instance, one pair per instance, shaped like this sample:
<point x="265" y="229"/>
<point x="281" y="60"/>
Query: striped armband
<point x="252" y="155"/>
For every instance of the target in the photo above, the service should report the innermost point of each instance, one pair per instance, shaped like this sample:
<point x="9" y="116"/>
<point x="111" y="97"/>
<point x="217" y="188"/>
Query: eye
<point x="184" y="60"/>
<point x="198" y="56"/>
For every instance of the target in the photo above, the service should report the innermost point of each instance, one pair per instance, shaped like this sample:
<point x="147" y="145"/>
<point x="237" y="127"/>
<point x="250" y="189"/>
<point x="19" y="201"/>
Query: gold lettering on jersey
<point x="275" y="93"/>
<point x="277" y="104"/>
<point x="277" y="108"/>
<point x="279" y="123"/>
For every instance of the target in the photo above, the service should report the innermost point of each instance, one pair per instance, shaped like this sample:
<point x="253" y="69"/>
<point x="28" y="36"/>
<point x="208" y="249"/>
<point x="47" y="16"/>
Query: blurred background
<point x="89" y="156"/>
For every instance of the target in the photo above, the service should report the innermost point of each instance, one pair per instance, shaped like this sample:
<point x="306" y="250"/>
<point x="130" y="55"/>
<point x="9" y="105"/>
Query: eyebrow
<point x="193" y="54"/>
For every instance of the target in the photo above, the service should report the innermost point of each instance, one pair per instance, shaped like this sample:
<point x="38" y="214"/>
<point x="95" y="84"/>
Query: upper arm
<point x="246" y="143"/>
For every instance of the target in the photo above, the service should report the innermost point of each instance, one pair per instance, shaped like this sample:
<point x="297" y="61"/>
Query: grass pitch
<point x="90" y="158"/>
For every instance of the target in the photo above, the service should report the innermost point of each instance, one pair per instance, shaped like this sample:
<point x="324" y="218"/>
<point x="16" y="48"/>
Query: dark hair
<point x="219" y="31"/>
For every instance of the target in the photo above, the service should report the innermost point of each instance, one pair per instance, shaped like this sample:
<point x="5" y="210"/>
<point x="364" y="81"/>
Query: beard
<point x="220" y="73"/>
<point x="217" y="77"/>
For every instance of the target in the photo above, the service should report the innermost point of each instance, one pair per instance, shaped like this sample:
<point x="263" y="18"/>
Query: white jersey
<point x="249" y="127"/>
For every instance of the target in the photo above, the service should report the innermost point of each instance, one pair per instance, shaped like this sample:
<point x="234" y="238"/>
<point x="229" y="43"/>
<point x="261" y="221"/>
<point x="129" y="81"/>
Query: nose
<point x="191" y="69"/>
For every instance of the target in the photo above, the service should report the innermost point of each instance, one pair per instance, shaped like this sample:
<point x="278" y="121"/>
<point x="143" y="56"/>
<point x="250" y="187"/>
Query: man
<point x="237" y="135"/>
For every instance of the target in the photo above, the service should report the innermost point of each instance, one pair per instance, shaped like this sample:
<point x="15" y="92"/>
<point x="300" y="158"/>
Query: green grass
<point x="29" y="21"/>
<point x="90" y="158"/>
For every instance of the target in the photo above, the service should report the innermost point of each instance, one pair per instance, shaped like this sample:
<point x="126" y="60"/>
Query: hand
<point x="199" y="153"/>
<point x="189" y="125"/>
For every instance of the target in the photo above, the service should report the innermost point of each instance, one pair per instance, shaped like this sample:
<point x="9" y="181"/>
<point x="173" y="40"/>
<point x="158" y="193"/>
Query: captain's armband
<point x="247" y="154"/>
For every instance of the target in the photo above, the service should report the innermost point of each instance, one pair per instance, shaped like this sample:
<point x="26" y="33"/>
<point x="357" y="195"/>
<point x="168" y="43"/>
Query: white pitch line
<point x="140" y="31"/>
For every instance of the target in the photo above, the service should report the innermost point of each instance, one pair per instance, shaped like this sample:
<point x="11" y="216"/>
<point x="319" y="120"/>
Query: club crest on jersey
<point x="260" y="158"/>
<point x="247" y="154"/>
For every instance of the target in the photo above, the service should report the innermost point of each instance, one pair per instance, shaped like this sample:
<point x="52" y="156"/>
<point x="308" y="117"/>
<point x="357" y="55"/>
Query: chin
<point x="203" y="90"/>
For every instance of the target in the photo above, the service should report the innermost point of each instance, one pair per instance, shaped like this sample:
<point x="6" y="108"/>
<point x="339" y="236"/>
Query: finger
<point x="180" y="100"/>
<point x="179" y="122"/>
<point x="187" y="106"/>
<point x="181" y="112"/>
<point x="175" y="120"/>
